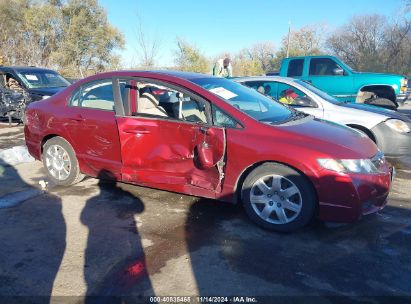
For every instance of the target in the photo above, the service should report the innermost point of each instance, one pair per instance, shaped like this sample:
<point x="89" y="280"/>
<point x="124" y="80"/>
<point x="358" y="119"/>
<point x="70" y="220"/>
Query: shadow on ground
<point x="32" y="242"/>
<point x="114" y="257"/>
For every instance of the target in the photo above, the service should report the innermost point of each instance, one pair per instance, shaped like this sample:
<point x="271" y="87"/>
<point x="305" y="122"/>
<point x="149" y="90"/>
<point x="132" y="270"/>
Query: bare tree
<point x="372" y="43"/>
<point x="359" y="43"/>
<point x="397" y="47"/>
<point x="148" y="47"/>
<point x="305" y="41"/>
<point x="263" y="53"/>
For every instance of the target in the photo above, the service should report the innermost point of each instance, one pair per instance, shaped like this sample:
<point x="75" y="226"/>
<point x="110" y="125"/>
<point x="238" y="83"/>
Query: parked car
<point x="21" y="85"/>
<point x="331" y="75"/>
<point x="209" y="137"/>
<point x="390" y="130"/>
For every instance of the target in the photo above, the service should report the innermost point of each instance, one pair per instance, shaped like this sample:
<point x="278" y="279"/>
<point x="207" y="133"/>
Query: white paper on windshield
<point x="224" y="93"/>
<point x="31" y="77"/>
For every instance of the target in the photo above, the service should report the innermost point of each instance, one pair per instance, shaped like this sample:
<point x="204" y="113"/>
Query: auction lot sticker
<point x="224" y="93"/>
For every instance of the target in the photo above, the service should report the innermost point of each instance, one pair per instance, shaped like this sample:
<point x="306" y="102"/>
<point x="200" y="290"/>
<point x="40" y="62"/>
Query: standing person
<point x="223" y="68"/>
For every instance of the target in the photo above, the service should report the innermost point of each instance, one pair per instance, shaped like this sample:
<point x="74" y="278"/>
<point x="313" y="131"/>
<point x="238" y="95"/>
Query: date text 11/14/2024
<point x="203" y="299"/>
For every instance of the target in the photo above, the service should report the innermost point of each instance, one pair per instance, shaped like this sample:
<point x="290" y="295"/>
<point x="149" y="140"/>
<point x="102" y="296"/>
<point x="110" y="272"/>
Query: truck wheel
<point x="382" y="102"/>
<point x="278" y="198"/>
<point x="60" y="162"/>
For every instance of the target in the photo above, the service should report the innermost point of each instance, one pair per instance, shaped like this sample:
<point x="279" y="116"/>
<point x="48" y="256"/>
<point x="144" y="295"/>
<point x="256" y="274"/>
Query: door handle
<point x="78" y="117"/>
<point x="136" y="131"/>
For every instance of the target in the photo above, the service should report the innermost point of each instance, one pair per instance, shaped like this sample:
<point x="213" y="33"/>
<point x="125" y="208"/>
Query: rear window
<point x="295" y="68"/>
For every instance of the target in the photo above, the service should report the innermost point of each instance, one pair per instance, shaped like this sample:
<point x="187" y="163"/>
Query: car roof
<point x="309" y="56"/>
<point x="25" y="68"/>
<point x="264" y="78"/>
<point x="186" y="76"/>
<point x="179" y="74"/>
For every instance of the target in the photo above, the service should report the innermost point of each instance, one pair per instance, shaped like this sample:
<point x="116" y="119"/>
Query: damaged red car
<point x="208" y="137"/>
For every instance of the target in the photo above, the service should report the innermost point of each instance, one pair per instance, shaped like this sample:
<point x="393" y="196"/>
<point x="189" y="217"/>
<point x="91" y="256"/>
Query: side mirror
<point x="338" y="72"/>
<point x="205" y="155"/>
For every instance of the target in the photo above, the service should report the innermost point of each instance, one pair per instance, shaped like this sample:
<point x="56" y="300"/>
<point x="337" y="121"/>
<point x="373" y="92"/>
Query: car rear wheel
<point x="278" y="198"/>
<point x="60" y="162"/>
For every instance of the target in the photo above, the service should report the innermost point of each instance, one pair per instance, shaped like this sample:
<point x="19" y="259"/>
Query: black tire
<point x="307" y="199"/>
<point x="382" y="102"/>
<point x="74" y="176"/>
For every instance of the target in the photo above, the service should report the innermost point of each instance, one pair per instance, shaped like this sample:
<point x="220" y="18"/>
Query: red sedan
<point x="209" y="137"/>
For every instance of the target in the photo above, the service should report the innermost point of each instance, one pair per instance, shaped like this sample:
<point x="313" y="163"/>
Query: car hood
<point x="329" y="138"/>
<point x="377" y="110"/>
<point x="46" y="91"/>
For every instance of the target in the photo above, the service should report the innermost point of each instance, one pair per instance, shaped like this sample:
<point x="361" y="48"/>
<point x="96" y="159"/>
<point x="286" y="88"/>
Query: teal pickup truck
<point x="333" y="76"/>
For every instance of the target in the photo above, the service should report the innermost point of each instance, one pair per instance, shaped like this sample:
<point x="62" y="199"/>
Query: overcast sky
<point x="216" y="26"/>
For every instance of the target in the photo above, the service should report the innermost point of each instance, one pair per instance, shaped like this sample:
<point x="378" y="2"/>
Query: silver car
<point x="390" y="130"/>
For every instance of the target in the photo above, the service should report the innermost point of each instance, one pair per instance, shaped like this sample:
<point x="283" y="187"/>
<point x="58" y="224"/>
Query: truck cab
<point x="336" y="78"/>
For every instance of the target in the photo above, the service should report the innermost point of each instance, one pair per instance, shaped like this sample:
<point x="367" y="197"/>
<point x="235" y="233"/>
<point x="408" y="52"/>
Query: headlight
<point x="404" y="85"/>
<point x="364" y="166"/>
<point x="45" y="96"/>
<point x="397" y="125"/>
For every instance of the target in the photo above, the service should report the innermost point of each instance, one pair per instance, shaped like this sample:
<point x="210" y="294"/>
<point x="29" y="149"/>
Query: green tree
<point x="74" y="36"/>
<point x="88" y="40"/>
<point x="11" y="35"/>
<point x="245" y="65"/>
<point x="189" y="58"/>
<point x="43" y="29"/>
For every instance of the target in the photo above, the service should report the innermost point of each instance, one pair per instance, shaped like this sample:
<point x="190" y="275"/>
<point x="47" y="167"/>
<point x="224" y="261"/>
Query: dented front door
<point x="167" y="153"/>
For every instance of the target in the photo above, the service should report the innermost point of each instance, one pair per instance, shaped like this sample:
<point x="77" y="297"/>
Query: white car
<point x="390" y="130"/>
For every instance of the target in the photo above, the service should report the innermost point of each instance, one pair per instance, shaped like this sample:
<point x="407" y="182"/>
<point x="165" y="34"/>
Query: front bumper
<point x="391" y="142"/>
<point x="347" y="197"/>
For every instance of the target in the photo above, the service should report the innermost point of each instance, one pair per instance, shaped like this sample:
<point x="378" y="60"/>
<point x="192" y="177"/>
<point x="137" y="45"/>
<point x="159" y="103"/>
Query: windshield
<point x="320" y="93"/>
<point x="42" y="79"/>
<point x="247" y="100"/>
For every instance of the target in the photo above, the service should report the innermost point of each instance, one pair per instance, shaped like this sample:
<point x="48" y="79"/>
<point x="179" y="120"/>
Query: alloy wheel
<point x="276" y="199"/>
<point x="58" y="162"/>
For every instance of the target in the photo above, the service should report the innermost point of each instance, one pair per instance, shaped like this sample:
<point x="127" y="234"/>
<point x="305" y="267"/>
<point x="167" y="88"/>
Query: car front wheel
<point x="60" y="162"/>
<point x="278" y="198"/>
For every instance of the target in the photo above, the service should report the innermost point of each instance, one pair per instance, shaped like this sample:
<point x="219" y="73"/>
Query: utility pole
<point x="288" y="38"/>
